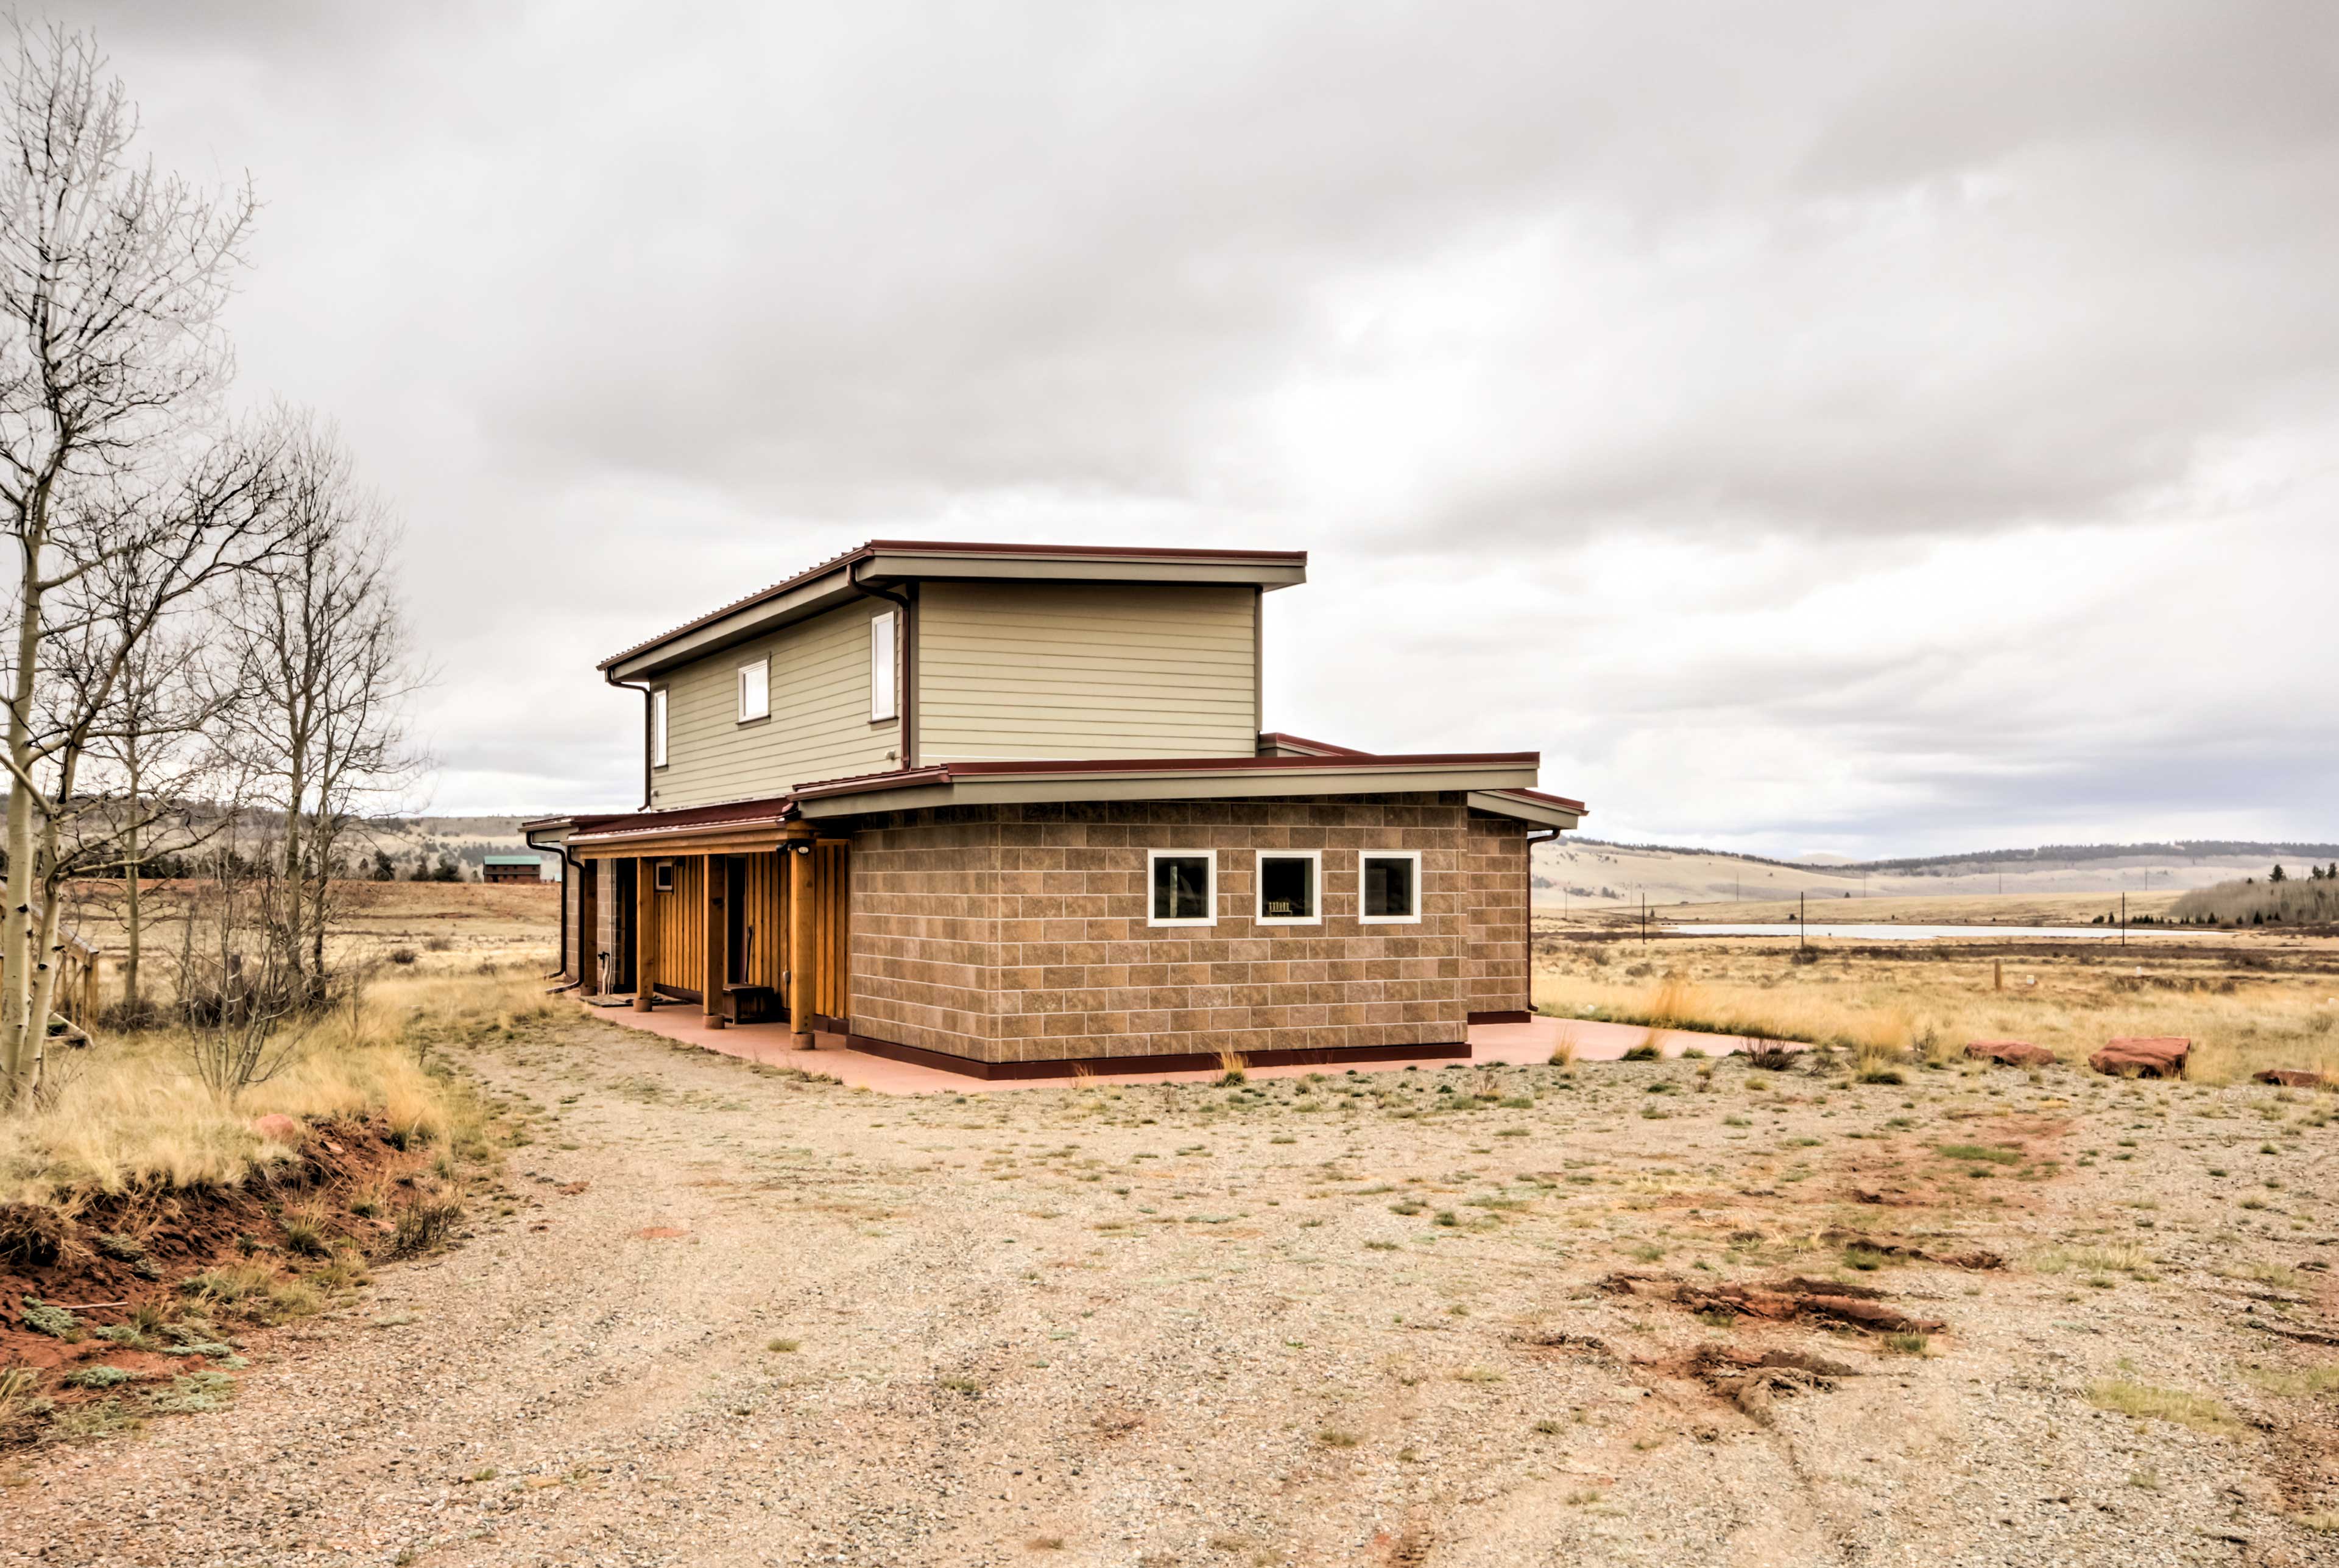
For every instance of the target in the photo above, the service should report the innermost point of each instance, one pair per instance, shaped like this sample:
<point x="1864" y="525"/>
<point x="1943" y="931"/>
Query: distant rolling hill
<point x="1574" y="872"/>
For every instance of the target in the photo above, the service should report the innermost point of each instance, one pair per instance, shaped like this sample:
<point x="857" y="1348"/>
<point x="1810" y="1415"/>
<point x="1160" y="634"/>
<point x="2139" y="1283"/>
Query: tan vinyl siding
<point x="1013" y="670"/>
<point x="819" y="727"/>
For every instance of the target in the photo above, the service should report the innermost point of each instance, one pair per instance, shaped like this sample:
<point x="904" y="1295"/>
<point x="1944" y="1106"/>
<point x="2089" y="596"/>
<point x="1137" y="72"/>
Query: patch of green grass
<point x="2145" y="1402"/>
<point x="44" y="1319"/>
<point x="98" y="1418"/>
<point x="99" y="1376"/>
<point x="194" y="1392"/>
<point x="1993" y="1153"/>
<point x="781" y="1346"/>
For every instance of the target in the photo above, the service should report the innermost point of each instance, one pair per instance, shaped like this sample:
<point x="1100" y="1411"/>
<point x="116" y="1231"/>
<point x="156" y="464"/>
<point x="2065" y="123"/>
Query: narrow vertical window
<point x="657" y="728"/>
<point x="756" y="690"/>
<point x="881" y="668"/>
<point x="1388" y="887"/>
<point x="1182" y="887"/>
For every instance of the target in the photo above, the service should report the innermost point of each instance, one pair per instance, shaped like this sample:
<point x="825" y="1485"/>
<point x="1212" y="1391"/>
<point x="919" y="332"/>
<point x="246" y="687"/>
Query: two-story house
<point x="1011" y="810"/>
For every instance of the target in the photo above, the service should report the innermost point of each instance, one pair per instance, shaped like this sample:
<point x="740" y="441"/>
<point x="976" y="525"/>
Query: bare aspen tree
<point x="112" y="280"/>
<point x="157" y="557"/>
<point x="319" y="657"/>
<point x="154" y="785"/>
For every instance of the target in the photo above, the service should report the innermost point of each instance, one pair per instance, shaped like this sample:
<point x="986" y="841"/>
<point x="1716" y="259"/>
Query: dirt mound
<point x="2295" y="1078"/>
<point x="2010" y="1052"/>
<point x="1783" y="1300"/>
<point x="2143" y="1056"/>
<point x="90" y="1263"/>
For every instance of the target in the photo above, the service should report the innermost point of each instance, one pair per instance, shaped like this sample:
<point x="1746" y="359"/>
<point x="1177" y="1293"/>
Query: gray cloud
<point x="1778" y="411"/>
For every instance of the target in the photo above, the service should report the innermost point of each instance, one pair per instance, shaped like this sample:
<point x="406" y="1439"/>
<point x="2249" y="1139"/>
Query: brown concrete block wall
<point x="1018" y="933"/>
<point x="924" y="929"/>
<point x="1501" y="889"/>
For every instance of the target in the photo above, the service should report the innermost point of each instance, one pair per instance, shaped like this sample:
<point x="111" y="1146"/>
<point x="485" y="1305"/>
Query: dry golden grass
<point x="133" y="1112"/>
<point x="1930" y="1004"/>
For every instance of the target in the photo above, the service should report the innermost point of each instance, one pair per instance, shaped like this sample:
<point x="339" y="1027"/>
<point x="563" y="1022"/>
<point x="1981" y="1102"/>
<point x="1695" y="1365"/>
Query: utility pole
<point x="2123" y="917"/>
<point x="1799" y="922"/>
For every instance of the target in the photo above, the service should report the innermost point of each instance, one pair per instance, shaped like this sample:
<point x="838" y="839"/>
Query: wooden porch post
<point x="588" y="929"/>
<point x="800" y="953"/>
<point x="718" y="969"/>
<point x="644" y="932"/>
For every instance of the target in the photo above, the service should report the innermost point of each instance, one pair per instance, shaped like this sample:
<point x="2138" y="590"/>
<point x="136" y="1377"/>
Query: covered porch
<point x="740" y="918"/>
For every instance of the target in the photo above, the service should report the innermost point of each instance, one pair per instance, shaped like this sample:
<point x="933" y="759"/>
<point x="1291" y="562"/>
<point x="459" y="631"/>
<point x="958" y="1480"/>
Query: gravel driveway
<point x="732" y="1317"/>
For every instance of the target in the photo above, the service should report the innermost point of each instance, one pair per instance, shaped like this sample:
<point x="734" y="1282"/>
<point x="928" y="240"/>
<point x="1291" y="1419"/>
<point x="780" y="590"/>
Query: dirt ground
<point x="1521" y="1316"/>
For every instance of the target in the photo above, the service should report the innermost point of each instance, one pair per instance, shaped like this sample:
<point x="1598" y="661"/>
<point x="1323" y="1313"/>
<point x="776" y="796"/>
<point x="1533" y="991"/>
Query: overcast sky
<point x="1859" y="427"/>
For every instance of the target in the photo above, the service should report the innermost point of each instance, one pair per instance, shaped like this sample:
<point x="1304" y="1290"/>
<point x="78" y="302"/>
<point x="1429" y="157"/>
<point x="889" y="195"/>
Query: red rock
<point x="2143" y="1056"/>
<point x="2292" y="1078"/>
<point x="2010" y="1052"/>
<point x="277" y="1128"/>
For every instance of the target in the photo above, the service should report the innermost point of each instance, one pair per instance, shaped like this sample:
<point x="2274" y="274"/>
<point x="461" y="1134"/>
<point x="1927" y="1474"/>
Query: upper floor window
<point x="1288" y="884"/>
<point x="1182" y="886"/>
<point x="657" y="727"/>
<point x="1389" y="885"/>
<point x="882" y="701"/>
<point x="756" y="690"/>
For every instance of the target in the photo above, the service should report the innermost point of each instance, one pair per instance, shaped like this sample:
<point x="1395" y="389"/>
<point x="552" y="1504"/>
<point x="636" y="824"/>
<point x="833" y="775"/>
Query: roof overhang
<point x="736" y="827"/>
<point x="890" y="563"/>
<point x="1529" y="805"/>
<point x="1172" y="778"/>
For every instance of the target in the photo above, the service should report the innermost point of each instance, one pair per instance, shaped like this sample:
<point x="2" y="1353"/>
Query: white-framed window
<point x="1181" y="887"/>
<point x="1290" y="887"/>
<point x="1389" y="886"/>
<point x="657" y="727"/>
<point x="756" y="690"/>
<point x="883" y="703"/>
<point x="665" y="881"/>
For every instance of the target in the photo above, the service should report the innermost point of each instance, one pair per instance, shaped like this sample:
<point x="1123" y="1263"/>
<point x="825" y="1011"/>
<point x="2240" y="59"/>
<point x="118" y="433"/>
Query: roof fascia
<point x="1497" y="804"/>
<point x="994" y="789"/>
<point x="806" y="600"/>
<point x="940" y="564"/>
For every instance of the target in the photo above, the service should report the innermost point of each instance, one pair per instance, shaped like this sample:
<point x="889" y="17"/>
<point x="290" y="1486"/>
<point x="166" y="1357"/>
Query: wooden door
<point x="739" y="924"/>
<point x="621" y="953"/>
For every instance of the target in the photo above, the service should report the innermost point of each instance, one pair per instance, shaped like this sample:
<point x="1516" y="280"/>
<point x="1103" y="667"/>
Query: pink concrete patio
<point x="1517" y="1044"/>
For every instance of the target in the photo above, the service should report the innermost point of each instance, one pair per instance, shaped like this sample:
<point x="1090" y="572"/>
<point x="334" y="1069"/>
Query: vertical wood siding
<point x="681" y="934"/>
<point x="1049" y="670"/>
<point x="819" y="726"/>
<point x="767" y="919"/>
<point x="832" y="989"/>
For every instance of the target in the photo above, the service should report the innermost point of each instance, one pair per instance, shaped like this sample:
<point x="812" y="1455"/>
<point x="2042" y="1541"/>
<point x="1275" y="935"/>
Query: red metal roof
<point x="773" y="808"/>
<point x="1138" y="552"/>
<point x="944" y="773"/>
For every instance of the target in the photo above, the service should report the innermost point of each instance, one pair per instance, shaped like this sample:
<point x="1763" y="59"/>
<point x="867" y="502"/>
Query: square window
<point x="1389" y="886"/>
<point x="1182" y="886"/>
<point x="1287" y="884"/>
<point x="756" y="691"/>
